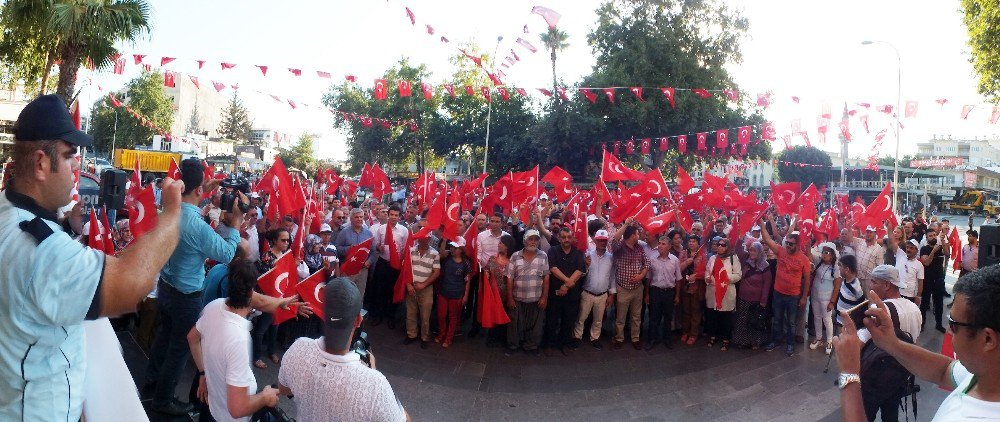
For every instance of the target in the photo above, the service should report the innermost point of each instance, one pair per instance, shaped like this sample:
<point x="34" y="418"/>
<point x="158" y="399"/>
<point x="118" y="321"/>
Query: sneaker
<point x="814" y="344"/>
<point x="940" y="328"/>
<point x="770" y="346"/>
<point x="637" y="345"/>
<point x="596" y="344"/>
<point x="409" y="340"/>
<point x="829" y="347"/>
<point x="173" y="407"/>
<point x="789" y="350"/>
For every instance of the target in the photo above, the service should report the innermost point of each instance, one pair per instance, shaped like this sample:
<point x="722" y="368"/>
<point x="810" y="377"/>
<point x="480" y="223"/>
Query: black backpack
<point x="882" y="376"/>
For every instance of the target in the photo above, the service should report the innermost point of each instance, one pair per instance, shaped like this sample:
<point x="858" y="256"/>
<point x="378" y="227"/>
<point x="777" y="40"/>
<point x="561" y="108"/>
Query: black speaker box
<point x="113" y="189"/>
<point x="989" y="245"/>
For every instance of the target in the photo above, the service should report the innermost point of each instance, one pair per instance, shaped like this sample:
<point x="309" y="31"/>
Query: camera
<point x="234" y="183"/>
<point x="361" y="347"/>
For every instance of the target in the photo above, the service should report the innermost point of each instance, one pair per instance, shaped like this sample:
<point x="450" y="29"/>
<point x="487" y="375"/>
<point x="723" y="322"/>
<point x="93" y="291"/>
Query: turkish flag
<point x="142" y="214"/>
<point x="278" y="183"/>
<point x="503" y="93"/>
<point x="702" y="141"/>
<point x="784" y="197"/>
<point x="722" y="138"/>
<point x="119" y="64"/>
<point x="810" y="196"/>
<point x="311" y="291"/>
<point x="881" y="208"/>
<point x="663" y="144"/>
<point x="714" y="188"/>
<point x="645" y="145"/>
<point x="590" y="95"/>
<point x="828" y="225"/>
<point x="138" y="58"/>
<point x="354" y="259"/>
<point x="629" y="147"/>
<point x="807" y="220"/>
<point x="632" y="206"/>
<point x="721" y="278"/>
<point x="97" y="234"/>
<point x="134" y="184"/>
<point x="486" y="93"/>
<point x="659" y="223"/>
<point x="380" y="181"/>
<point x="470" y="91"/>
<point x="427" y="89"/>
<point x="450" y="89"/>
<point x="470" y="235"/>
<point x="743" y="135"/>
<point x="557" y="177"/>
<point x="767" y="131"/>
<point x="333" y="182"/>
<point x="219" y="86"/>
<point x="524" y="186"/>
<point x="966" y="109"/>
<point x="845" y="130"/>
<point x="613" y="170"/>
<point x="637" y="90"/>
<point x="551" y="16"/>
<point x="174" y="172"/>
<point x="911" y="109"/>
<point x="703" y="93"/>
<point x="682" y="144"/>
<point x="405" y="273"/>
<point x="656" y="187"/>
<point x="733" y="94"/>
<point x="956" y="248"/>
<point x="669" y="94"/>
<point x="684" y="181"/>
<point x="764" y="99"/>
<point x="405" y="88"/>
<point x="610" y="93"/>
<point x="381" y="90"/>
<point x="194" y="80"/>
<point x="278" y="281"/>
<point x="169" y="79"/>
<point x="451" y="217"/>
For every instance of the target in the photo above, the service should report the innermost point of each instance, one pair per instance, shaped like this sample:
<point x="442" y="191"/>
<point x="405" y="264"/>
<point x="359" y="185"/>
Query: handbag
<point x="758" y="317"/>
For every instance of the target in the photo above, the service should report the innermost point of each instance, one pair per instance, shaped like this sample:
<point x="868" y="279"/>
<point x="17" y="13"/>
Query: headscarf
<point x="761" y="263"/>
<point x="313" y="260"/>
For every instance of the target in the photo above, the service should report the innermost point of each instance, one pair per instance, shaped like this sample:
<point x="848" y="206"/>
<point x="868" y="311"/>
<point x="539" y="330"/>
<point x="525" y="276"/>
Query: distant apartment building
<point x="978" y="151"/>
<point x="195" y="109"/>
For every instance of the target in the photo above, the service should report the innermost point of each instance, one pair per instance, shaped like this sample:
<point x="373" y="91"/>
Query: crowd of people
<point x="523" y="279"/>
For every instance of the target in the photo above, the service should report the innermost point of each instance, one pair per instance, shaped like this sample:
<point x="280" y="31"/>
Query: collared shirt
<point x="869" y="257"/>
<point x="399" y="234"/>
<point x="349" y="237"/>
<point x="664" y="271"/>
<point x="629" y="263"/>
<point x="486" y="245"/>
<point x="528" y="275"/>
<point x="567" y="263"/>
<point x="970" y="258"/>
<point x="910" y="270"/>
<point x="47" y="289"/>
<point x="254" y="239"/>
<point x="185" y="270"/>
<point x="424" y="264"/>
<point x="599" y="272"/>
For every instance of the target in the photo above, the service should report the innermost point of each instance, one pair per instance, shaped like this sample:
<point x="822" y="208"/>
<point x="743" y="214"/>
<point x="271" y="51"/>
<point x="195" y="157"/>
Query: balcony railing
<point x="931" y="187"/>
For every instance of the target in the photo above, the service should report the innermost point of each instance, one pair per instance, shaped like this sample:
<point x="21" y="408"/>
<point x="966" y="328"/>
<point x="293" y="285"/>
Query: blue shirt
<point x="347" y="238"/>
<point x="47" y="289"/>
<point x="216" y="284"/>
<point x="185" y="270"/>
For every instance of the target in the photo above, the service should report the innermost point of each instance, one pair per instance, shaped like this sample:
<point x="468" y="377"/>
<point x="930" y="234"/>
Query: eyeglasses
<point x="827" y="252"/>
<point x="953" y="325"/>
<point x="790" y="244"/>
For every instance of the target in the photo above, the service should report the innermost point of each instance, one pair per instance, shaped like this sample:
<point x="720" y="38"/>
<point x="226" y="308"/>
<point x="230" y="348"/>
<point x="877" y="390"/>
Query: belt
<point x="595" y="294"/>
<point x="663" y="288"/>
<point x="174" y="290"/>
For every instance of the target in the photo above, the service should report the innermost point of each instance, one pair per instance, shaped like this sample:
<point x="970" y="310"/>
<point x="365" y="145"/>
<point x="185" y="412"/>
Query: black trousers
<point x="385" y="280"/>
<point x="889" y="409"/>
<point x="661" y="313"/>
<point x="933" y="291"/>
<point x="719" y="324"/>
<point x="560" y="319"/>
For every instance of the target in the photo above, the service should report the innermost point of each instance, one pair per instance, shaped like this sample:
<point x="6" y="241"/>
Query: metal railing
<point x="902" y="186"/>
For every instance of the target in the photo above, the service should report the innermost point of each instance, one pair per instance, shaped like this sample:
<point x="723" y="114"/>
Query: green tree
<point x="555" y="41"/>
<point x="820" y="176"/>
<point x="300" y="155"/>
<point x="145" y="96"/>
<point x="236" y="122"/>
<point x="982" y="18"/>
<point x="889" y="161"/>
<point x="659" y="43"/>
<point x="69" y="32"/>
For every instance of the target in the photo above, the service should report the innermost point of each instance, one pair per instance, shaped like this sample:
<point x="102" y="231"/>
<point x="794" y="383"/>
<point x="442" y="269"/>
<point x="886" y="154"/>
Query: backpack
<point x="882" y="376"/>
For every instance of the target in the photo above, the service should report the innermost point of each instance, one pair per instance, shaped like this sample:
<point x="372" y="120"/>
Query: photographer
<point x="181" y="285"/>
<point x="328" y="379"/>
<point x="219" y="342"/>
<point x="974" y="379"/>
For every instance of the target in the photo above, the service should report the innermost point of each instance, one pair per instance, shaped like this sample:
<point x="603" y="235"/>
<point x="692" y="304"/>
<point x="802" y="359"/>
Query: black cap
<point x="972" y="233"/>
<point x="47" y="119"/>
<point x="341" y="305"/>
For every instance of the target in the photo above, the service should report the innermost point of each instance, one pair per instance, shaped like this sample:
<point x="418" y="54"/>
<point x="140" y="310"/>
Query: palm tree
<point x="71" y="32"/>
<point x="555" y="41"/>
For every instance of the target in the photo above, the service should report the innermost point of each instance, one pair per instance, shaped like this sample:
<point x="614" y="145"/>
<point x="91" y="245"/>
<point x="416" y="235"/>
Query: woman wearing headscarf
<point x="313" y="254"/>
<point x="755" y="287"/>
<point x="722" y="273"/>
<point x="693" y="289"/>
<point x="823" y="293"/>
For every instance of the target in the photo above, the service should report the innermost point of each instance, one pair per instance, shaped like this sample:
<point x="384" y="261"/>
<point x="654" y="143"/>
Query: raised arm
<point x="765" y="236"/>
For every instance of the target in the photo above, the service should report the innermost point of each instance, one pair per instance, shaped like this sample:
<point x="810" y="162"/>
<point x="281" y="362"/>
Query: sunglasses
<point x="953" y="325"/>
<point x="791" y="244"/>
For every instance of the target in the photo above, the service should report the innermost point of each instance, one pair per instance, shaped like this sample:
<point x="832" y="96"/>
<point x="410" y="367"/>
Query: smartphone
<point x="857" y="314"/>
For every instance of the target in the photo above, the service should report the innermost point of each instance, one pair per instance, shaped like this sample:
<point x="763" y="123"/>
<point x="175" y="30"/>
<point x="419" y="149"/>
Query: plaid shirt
<point x="629" y="262"/>
<point x="869" y="257"/>
<point x="528" y="275"/>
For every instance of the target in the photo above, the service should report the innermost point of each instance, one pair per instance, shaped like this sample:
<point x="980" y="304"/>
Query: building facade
<point x="197" y="110"/>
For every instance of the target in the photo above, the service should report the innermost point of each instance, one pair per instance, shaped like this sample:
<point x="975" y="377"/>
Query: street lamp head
<point x="499" y="38"/>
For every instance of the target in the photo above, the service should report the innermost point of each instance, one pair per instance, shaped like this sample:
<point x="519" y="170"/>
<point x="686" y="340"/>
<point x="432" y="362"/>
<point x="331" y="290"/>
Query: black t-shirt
<point x="568" y="264"/>
<point x="935" y="271"/>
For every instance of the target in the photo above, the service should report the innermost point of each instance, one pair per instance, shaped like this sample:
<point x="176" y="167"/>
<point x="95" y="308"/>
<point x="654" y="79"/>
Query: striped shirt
<point x="424" y="265"/>
<point x="528" y="275"/>
<point x="851" y="294"/>
<point x="629" y="262"/>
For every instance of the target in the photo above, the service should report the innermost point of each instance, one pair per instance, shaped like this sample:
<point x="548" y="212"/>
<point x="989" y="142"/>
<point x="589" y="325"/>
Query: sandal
<point x="260" y="364"/>
<point x="725" y="345"/>
<point x="711" y="342"/>
<point x="691" y="340"/>
<point x="684" y="338"/>
<point x="445" y="344"/>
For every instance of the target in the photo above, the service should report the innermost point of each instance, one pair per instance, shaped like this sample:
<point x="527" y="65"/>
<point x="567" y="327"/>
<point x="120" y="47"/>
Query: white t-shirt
<point x="910" y="318"/>
<point x="910" y="271"/>
<point x="331" y="387"/>
<point x="959" y="406"/>
<point x="225" y="349"/>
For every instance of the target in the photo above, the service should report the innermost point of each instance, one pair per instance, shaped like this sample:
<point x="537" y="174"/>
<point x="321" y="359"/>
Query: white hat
<point x="755" y="228"/>
<point x="254" y="195"/>
<point x="601" y="235"/>
<point x="543" y="196"/>
<point x="914" y="243"/>
<point x="458" y="243"/>
<point x="832" y="247"/>
<point x="530" y="233"/>
<point x="870" y="228"/>
<point x="325" y="228"/>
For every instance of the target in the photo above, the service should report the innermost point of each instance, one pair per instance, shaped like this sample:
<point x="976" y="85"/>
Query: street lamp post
<point x="899" y="87"/>
<point x="489" y="104"/>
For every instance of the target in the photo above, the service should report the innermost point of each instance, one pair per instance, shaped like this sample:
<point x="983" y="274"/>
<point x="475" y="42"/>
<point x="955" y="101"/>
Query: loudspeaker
<point x="112" y="194"/>
<point x="989" y="245"/>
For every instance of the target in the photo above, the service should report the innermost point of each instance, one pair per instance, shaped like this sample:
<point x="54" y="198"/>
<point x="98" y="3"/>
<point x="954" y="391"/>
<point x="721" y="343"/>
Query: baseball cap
<point x="972" y="233"/>
<point x="325" y="228"/>
<point x="914" y="243"/>
<point x="530" y="233"/>
<point x="46" y="118"/>
<point x="254" y="195"/>
<point x="458" y="243"/>
<point x="755" y="228"/>
<point x="888" y="273"/>
<point x="341" y="307"/>
<point x="870" y="228"/>
<point x="543" y="196"/>
<point x="601" y="235"/>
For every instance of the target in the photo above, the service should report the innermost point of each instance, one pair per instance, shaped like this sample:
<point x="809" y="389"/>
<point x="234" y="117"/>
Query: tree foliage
<point x="889" y="161"/>
<point x="145" y="96"/>
<point x="982" y="19"/>
<point x="820" y="176"/>
<point x="70" y="32"/>
<point x="301" y="155"/>
<point x="236" y="124"/>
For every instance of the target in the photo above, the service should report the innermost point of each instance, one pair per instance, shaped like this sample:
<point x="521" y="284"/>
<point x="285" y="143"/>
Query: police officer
<point x="49" y="283"/>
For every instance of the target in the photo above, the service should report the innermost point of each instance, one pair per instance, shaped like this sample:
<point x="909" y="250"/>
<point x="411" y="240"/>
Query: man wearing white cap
<point x="869" y="253"/>
<point x="911" y="272"/>
<point x="527" y="282"/>
<point x="595" y="298"/>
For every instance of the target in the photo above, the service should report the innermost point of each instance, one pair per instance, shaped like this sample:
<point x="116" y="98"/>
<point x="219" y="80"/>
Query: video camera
<point x="234" y="183"/>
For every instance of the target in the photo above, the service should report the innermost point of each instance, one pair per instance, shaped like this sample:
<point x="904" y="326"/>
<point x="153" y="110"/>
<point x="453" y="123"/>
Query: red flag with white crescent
<point x="142" y="215"/>
<point x="354" y="259"/>
<point x="278" y="281"/>
<point x="721" y="278"/>
<point x="311" y="291"/>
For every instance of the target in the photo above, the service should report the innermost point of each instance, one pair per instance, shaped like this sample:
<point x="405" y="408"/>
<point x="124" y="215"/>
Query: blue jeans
<point x="785" y="308"/>
<point x="178" y="313"/>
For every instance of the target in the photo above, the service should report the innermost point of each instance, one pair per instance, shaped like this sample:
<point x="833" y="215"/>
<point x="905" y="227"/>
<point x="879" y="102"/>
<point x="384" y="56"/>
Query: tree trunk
<point x="70" y="56"/>
<point x="45" y="72"/>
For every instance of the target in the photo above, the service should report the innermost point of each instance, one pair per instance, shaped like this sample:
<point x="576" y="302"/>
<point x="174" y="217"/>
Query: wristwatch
<point x="846" y="379"/>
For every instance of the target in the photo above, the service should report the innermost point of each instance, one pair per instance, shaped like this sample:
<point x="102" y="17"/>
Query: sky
<point x="808" y="49"/>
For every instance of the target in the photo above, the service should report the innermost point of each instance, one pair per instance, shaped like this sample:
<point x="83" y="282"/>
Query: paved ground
<point x="470" y="381"/>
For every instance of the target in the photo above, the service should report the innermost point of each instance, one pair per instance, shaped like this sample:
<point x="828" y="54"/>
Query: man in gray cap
<point x="50" y="282"/>
<point x="327" y="377"/>
<point x="887" y="284"/>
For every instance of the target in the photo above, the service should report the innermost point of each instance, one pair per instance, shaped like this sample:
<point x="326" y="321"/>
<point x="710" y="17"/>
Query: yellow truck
<point x="973" y="202"/>
<point x="149" y="161"/>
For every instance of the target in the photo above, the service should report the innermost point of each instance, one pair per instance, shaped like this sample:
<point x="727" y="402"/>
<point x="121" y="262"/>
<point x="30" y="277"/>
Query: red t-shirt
<point x="790" y="271"/>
